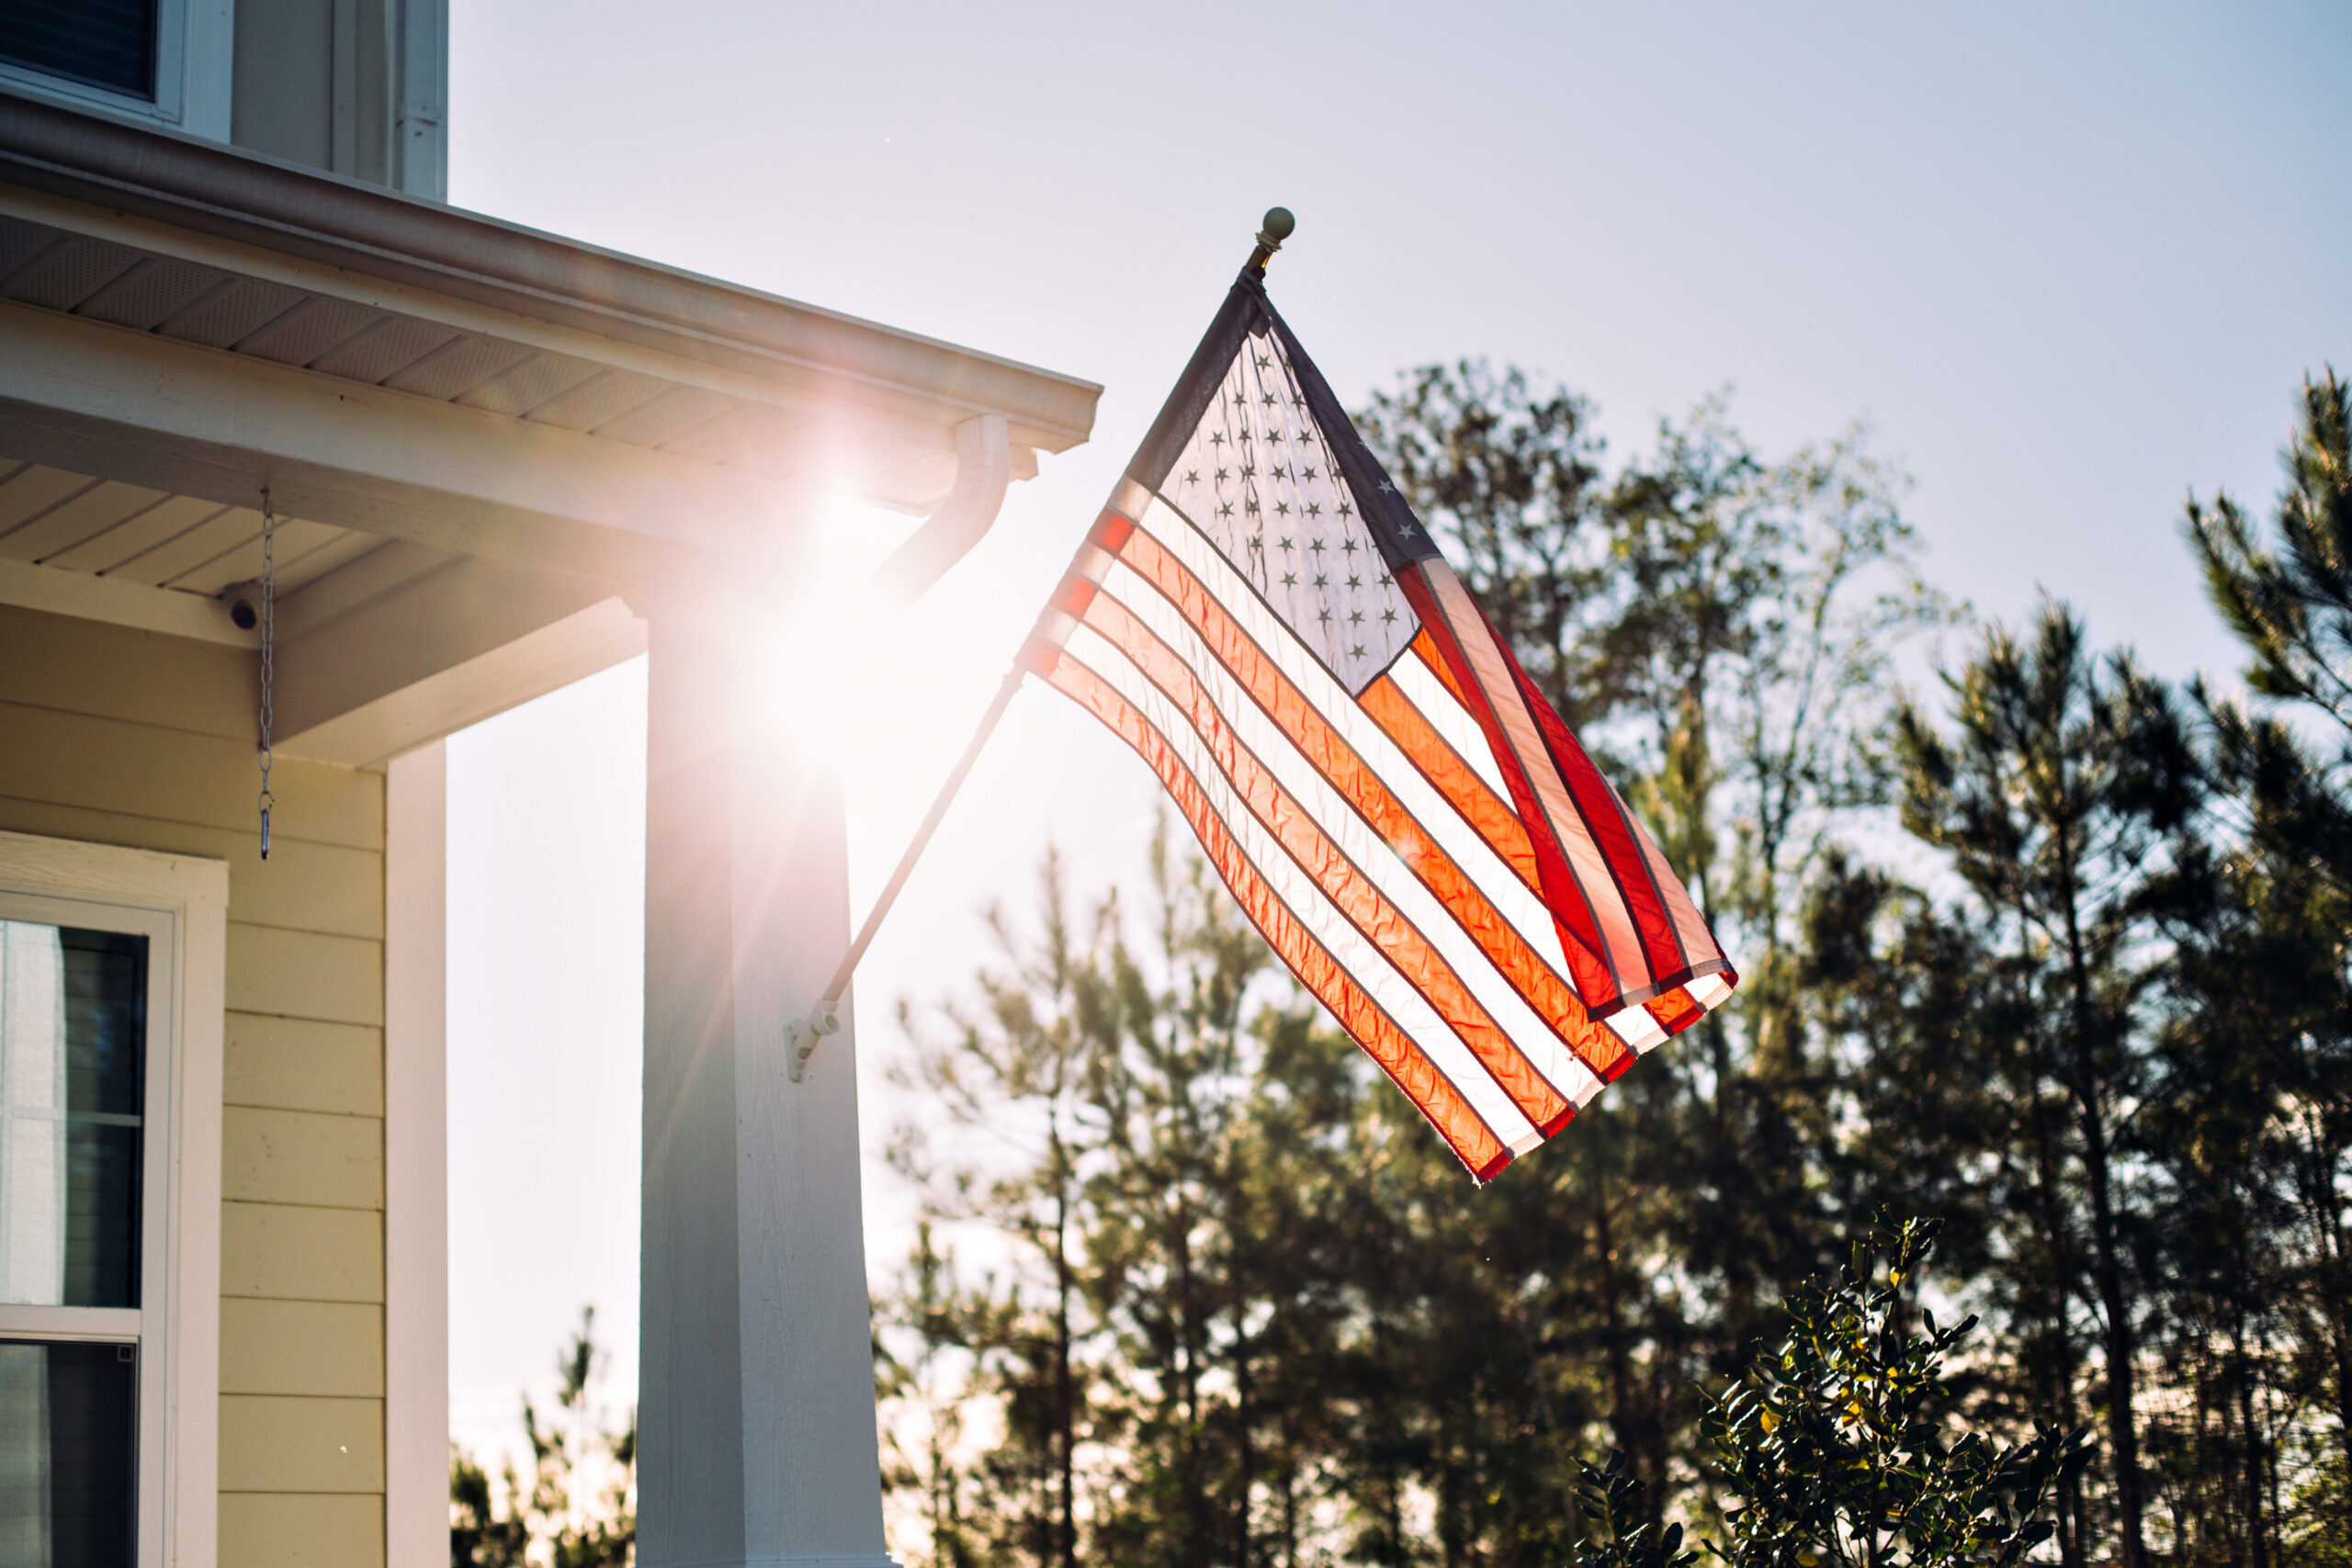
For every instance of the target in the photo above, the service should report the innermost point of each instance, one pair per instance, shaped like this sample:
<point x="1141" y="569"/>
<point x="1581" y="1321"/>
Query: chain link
<point x="269" y="650"/>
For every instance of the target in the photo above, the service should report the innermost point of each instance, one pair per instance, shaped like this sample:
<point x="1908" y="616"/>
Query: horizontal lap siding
<point x="297" y="1529"/>
<point x="119" y="736"/>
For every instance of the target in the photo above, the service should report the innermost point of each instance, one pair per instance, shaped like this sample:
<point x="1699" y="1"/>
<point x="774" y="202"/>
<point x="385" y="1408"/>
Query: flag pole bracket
<point x="800" y="1036"/>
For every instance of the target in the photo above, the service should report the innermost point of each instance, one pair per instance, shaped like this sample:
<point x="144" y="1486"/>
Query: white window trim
<point x="196" y="61"/>
<point x="184" y="900"/>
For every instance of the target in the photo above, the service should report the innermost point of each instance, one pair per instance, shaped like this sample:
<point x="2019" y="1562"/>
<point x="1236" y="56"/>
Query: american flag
<point x="1397" y="808"/>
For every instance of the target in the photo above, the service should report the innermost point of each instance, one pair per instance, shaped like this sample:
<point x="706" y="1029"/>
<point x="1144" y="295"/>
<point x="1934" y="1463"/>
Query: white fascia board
<point x="97" y="398"/>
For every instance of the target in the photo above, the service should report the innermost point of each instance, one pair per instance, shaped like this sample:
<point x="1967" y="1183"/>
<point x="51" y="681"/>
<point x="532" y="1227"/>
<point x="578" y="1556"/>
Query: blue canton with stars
<point x="1258" y="479"/>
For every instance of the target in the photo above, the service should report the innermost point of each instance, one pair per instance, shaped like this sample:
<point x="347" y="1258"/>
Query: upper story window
<point x="107" y="44"/>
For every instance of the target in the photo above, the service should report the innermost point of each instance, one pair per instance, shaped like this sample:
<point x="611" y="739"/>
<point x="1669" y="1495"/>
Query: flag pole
<point x="824" y="1018"/>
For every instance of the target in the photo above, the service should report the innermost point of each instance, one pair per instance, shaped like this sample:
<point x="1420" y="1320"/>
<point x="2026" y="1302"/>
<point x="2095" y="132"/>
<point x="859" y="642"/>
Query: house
<point x="271" y="410"/>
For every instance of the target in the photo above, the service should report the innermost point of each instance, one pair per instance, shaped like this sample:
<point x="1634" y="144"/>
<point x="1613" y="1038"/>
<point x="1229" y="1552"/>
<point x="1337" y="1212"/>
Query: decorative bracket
<point x="800" y="1036"/>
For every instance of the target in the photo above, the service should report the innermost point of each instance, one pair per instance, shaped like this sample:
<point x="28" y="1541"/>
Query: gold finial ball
<point x="1279" y="223"/>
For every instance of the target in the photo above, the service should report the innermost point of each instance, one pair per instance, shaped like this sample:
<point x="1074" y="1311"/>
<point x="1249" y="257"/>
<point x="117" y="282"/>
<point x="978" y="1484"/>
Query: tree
<point x="1721" y="629"/>
<point x="2261" y="1024"/>
<point x="580" y="1510"/>
<point x="1017" y="1070"/>
<point x="2041" y="802"/>
<point x="1840" y="1446"/>
<point x="2291" y="603"/>
<point x="2094" y="1024"/>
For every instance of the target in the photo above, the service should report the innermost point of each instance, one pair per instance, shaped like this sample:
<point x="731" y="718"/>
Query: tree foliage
<point x="579" y="1507"/>
<point x="1839" y="1443"/>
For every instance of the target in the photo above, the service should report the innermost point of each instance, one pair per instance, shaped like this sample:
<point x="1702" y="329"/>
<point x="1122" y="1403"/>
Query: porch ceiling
<point x="75" y="522"/>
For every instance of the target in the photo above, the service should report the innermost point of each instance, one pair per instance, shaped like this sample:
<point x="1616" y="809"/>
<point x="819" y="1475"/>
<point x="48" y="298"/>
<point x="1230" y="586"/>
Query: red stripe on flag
<point x="1489" y="815"/>
<point x="1581" y="938"/>
<point x="1657" y="908"/>
<point x="1305" y="728"/>
<point x="1387" y="927"/>
<point x="1465" y="1132"/>
<point x="1676" y="1010"/>
<point x="1424" y="646"/>
<point x="1111" y="531"/>
<point x="1612" y="830"/>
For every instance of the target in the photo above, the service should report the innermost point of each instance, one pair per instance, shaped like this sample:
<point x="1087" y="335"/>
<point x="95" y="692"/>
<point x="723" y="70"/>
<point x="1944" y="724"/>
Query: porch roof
<point x="477" y="433"/>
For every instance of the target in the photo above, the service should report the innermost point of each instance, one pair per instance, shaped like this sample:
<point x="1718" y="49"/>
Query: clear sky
<point x="2069" y="261"/>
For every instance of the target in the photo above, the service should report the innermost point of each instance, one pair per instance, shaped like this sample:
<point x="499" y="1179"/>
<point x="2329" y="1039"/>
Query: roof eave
<point x="251" y="199"/>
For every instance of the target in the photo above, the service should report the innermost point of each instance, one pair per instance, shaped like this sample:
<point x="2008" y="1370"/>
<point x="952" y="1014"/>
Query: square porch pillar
<point x="757" y="1442"/>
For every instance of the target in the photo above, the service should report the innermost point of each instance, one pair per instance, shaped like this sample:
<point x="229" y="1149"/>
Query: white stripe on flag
<point x="1291" y="884"/>
<point x="1450" y="719"/>
<point x="1356" y="839"/>
<point x="1462" y="842"/>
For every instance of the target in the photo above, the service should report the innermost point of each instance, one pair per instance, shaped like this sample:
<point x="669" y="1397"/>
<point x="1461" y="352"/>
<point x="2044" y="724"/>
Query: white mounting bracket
<point x="800" y="1036"/>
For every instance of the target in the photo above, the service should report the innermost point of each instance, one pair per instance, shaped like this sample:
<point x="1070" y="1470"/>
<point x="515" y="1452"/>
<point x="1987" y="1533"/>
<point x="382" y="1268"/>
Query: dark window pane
<point x="105" y="1057"/>
<point x="107" y="43"/>
<point x="68" y="1454"/>
<point x="72" y="1080"/>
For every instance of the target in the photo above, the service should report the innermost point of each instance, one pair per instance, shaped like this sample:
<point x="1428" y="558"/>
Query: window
<point x="110" y="977"/>
<point x="100" y="43"/>
<point x="159" y="62"/>
<point x="72" y="1114"/>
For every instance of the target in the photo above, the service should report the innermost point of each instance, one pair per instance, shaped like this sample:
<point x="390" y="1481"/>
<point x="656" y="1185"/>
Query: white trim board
<point x="416" y="1161"/>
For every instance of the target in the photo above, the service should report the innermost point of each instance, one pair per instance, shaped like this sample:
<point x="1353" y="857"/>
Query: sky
<point x="2069" y="263"/>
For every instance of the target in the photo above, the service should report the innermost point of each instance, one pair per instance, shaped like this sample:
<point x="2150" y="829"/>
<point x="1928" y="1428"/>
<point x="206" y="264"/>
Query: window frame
<point x="180" y="904"/>
<point x="195" y="61"/>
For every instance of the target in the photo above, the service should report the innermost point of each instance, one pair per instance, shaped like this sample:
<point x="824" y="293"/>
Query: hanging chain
<point x="269" y="650"/>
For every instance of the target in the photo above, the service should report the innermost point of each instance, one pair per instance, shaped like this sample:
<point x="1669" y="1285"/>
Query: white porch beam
<point x="417" y="634"/>
<point x="756" y="1394"/>
<point x="135" y="604"/>
<point x="506" y="675"/>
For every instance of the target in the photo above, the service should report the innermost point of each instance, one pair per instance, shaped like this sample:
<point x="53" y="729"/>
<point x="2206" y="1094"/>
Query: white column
<point x="757" y="1441"/>
<point x="416" y="1161"/>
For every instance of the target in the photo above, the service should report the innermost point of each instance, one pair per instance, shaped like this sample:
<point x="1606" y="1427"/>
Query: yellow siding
<point x="302" y="1347"/>
<point x="294" y="1253"/>
<point x="296" y="974"/>
<point x="275" y="1444"/>
<point x="104" y="764"/>
<point x="299" y="1156"/>
<point x="301" y="1065"/>
<point x="293" y="1530"/>
<point x="319" y="887"/>
<point x="120" y="737"/>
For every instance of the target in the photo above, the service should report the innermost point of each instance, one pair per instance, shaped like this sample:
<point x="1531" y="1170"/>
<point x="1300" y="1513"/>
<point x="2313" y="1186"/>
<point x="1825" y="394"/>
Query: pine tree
<point x="2039" y="799"/>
